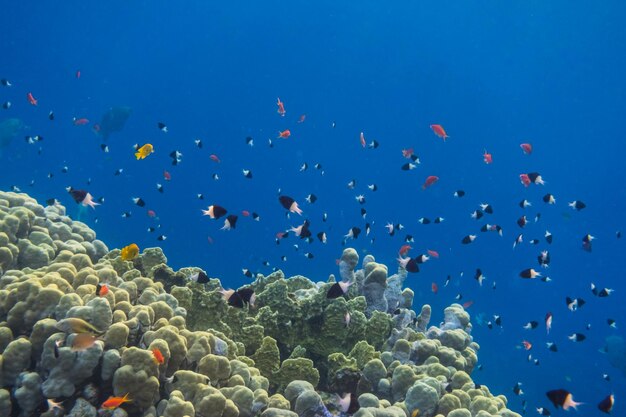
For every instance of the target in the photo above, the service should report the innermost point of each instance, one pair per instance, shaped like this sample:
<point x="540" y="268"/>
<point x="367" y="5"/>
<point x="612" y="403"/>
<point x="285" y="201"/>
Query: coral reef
<point x="176" y="348"/>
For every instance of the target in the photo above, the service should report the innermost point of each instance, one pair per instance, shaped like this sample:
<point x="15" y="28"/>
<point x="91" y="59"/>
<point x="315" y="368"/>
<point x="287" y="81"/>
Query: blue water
<point x="494" y="74"/>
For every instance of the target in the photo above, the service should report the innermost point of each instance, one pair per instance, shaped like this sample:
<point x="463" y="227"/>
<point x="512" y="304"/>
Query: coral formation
<point x="176" y="348"/>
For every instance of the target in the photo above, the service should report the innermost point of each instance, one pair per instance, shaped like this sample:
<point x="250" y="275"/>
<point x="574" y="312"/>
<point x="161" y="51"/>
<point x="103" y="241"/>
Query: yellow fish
<point x="144" y="151"/>
<point x="130" y="252"/>
<point x="76" y="325"/>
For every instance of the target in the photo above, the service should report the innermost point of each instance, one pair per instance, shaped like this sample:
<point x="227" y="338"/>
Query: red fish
<point x="524" y="179"/>
<point x="32" y="100"/>
<point x="527" y="148"/>
<point x="80" y="122"/>
<point x="433" y="253"/>
<point x="281" y="108"/>
<point x="102" y="290"/>
<point x="430" y="180"/>
<point x="407" y="153"/>
<point x="96" y="128"/>
<point x="487" y="157"/>
<point x="362" y="138"/>
<point x="159" y="359"/>
<point x="215" y="158"/>
<point x="167" y="176"/>
<point x="434" y="288"/>
<point x="468" y="304"/>
<point x="527" y="345"/>
<point x="302" y="118"/>
<point x="78" y="74"/>
<point x="439" y="131"/>
<point x="284" y="134"/>
<point x="151" y="213"/>
<point x="113" y="402"/>
<point x="245" y="213"/>
<point x="404" y="249"/>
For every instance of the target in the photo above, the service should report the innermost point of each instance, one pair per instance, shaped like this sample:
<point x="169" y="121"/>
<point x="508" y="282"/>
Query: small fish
<point x="438" y="220"/>
<point x="144" y="151"/>
<point x="247" y="173"/>
<point x="517" y="389"/>
<point x="549" y="199"/>
<point x="161" y="238"/>
<point x="249" y="141"/>
<point x="531" y="325"/>
<point x="214" y="211"/>
<point x="157" y="356"/>
<point x="408" y="166"/>
<point x="311" y="198"/>
<point x="468" y="239"/>
<point x="162" y="127"/>
<point x="130" y="252"/>
<point x="338" y="289"/>
<point x="548" y="321"/>
<point x="577" y="205"/>
<point x="80" y="121"/>
<point x="526" y="148"/>
<point x="527" y="345"/>
<point x="198" y="143"/>
<point x="434" y="288"/>
<point x="284" y="134"/>
<point x="439" y="131"/>
<point x="487" y="157"/>
<point x="459" y="193"/>
<point x="230" y="222"/>
<point x="562" y="398"/>
<point x="552" y="346"/>
<point x="606" y="405"/>
<point x="114" y="402"/>
<point x="487" y="208"/>
<point x="177" y="157"/>
<point x="577" y="337"/>
<point x="7" y="105"/>
<point x="160" y="188"/>
<point x="372" y="187"/>
<point x="102" y="290"/>
<point x="200" y="277"/>
<point x="5" y="83"/>
<point x="82" y="197"/>
<point x="430" y="180"/>
<point x="83" y="341"/>
<point x="524" y="203"/>
<point x="529" y="274"/>
<point x="281" y="108"/>
<point x="76" y="325"/>
<point x="423" y="220"/>
<point x="138" y="201"/>
<point x="104" y="147"/>
<point x="479" y="277"/>
<point x="302" y="118"/>
<point x="289" y="204"/>
<point x="32" y="100"/>
<point x="604" y="292"/>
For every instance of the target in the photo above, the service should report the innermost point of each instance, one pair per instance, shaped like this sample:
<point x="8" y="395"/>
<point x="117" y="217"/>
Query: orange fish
<point x="302" y="118"/>
<point x="113" y="402"/>
<point x="487" y="157"/>
<point x="284" y="134"/>
<point x="434" y="287"/>
<point x="159" y="359"/>
<point x="362" y="138"/>
<point x="433" y="253"/>
<point x="31" y="99"/>
<point x="281" y="108"/>
<point x="527" y="148"/>
<point x="468" y="304"/>
<point x="439" y="131"/>
<point x="527" y="345"/>
<point x="245" y="213"/>
<point x="404" y="249"/>
<point x="102" y="290"/>
<point x="80" y="122"/>
<point x="215" y="158"/>
<point x="430" y="180"/>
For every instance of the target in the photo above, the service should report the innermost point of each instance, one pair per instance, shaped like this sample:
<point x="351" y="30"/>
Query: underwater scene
<point x="312" y="209"/>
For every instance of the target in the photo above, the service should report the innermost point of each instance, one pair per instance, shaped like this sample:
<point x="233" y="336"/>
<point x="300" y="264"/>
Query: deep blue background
<point x="495" y="74"/>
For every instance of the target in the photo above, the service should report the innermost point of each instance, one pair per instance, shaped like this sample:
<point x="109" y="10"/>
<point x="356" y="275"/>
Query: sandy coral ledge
<point x="289" y="355"/>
